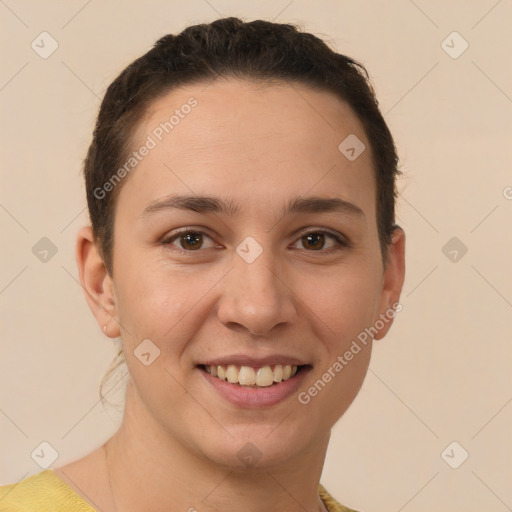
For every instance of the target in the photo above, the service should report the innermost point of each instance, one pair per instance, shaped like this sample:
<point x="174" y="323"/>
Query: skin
<point x="258" y="146"/>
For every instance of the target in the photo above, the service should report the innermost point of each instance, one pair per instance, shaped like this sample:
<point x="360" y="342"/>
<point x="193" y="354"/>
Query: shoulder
<point x="330" y="503"/>
<point x="42" y="492"/>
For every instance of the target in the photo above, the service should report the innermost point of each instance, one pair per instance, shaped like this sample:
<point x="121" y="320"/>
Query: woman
<point x="241" y="189"/>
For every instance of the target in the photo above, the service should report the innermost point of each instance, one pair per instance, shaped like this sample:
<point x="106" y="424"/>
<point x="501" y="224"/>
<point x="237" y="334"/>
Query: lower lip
<point x="256" y="397"/>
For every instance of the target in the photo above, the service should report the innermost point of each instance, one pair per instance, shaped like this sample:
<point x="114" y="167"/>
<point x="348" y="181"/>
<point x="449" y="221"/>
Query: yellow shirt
<point x="46" y="492"/>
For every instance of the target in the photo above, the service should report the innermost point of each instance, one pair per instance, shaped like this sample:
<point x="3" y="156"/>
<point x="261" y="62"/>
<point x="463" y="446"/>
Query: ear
<point x="97" y="283"/>
<point x="393" y="280"/>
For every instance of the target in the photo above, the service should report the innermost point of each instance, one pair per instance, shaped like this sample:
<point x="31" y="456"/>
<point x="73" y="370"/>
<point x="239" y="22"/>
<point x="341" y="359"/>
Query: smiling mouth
<point x="247" y="376"/>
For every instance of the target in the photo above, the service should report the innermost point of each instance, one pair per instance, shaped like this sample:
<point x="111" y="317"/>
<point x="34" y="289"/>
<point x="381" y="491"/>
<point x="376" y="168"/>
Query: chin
<point x="257" y="447"/>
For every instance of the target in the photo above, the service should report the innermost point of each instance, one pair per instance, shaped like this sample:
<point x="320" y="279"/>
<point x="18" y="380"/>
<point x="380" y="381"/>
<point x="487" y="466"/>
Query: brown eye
<point x="188" y="240"/>
<point x="316" y="240"/>
<point x="313" y="241"/>
<point x="191" y="240"/>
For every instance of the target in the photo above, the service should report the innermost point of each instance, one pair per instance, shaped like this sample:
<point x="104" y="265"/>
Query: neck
<point x="150" y="469"/>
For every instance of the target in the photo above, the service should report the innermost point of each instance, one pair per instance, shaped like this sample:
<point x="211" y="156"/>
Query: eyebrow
<point x="208" y="204"/>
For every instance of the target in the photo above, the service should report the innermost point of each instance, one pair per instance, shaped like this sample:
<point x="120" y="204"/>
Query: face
<point x="280" y="267"/>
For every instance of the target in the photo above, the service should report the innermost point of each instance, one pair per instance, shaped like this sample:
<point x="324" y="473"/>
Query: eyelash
<point x="340" y="241"/>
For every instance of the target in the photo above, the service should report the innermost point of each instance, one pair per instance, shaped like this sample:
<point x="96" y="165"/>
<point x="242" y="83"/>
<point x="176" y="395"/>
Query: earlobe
<point x="96" y="283"/>
<point x="394" y="275"/>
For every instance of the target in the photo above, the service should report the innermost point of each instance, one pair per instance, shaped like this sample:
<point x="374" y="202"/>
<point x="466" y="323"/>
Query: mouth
<point x="254" y="387"/>
<point x="254" y="377"/>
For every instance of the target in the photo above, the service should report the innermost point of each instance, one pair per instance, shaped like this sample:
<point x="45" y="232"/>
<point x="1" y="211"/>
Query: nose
<point x="256" y="297"/>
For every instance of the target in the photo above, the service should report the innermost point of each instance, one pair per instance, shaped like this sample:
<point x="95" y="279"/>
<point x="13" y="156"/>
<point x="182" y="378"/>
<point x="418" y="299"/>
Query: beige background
<point x="442" y="374"/>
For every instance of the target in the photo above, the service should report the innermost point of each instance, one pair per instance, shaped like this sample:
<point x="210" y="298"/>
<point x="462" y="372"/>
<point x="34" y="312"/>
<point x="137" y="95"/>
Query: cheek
<point x="157" y="304"/>
<point x="162" y="302"/>
<point x="345" y="302"/>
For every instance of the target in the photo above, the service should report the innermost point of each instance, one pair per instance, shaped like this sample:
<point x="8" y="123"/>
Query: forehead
<point x="240" y="111"/>
<point x="235" y="135"/>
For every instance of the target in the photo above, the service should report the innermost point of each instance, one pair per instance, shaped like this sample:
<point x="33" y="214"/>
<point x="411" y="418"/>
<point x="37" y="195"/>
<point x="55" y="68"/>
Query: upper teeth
<point x="248" y="376"/>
